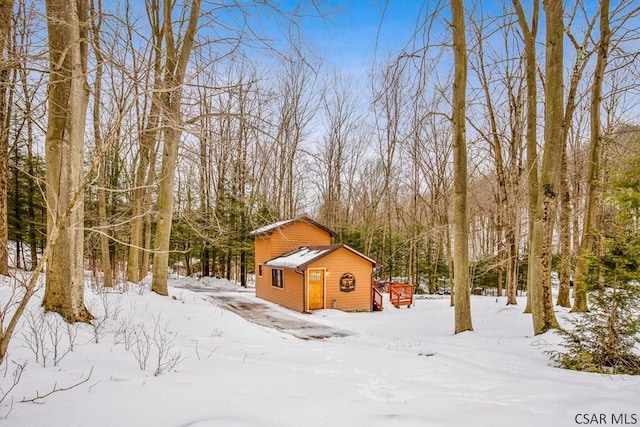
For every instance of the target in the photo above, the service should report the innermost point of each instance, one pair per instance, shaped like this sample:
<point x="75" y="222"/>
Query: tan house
<point x="297" y="267"/>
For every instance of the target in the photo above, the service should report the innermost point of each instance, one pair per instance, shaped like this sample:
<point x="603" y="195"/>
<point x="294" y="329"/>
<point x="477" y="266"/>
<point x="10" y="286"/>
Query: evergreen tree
<point x="603" y="339"/>
<point x="26" y="208"/>
<point x="606" y="338"/>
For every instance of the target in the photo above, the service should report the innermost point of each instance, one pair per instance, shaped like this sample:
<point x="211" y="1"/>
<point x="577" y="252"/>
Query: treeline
<point x="198" y="130"/>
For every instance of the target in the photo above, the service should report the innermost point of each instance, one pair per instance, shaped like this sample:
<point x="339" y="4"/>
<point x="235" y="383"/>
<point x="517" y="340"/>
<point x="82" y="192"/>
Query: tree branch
<point x="55" y="390"/>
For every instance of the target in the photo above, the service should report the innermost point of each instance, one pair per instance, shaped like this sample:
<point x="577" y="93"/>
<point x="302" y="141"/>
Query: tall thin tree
<point x="531" y="69"/>
<point x="6" y="14"/>
<point x="548" y="189"/>
<point x="144" y="175"/>
<point x="583" y="54"/>
<point x="462" y="296"/>
<point x="96" y="24"/>
<point x="589" y="237"/>
<point x="177" y="58"/>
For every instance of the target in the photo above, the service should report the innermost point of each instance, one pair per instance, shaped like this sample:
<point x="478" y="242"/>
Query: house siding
<point x="344" y="261"/>
<point x="280" y="241"/>
<point x="294" y="293"/>
<point x="296" y="234"/>
<point x="290" y="296"/>
<point x="263" y="251"/>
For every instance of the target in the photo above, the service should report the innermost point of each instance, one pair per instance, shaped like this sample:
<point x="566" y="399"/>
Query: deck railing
<point x="377" y="300"/>
<point x="401" y="294"/>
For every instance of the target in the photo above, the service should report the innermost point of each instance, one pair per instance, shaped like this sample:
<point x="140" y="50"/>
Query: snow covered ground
<point x="398" y="367"/>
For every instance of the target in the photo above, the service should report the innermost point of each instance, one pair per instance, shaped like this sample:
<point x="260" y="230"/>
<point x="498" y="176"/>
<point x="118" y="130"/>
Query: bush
<point x="604" y="340"/>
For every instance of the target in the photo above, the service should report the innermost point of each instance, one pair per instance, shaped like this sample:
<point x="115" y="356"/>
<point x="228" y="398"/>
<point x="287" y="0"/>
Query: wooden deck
<point x="401" y="294"/>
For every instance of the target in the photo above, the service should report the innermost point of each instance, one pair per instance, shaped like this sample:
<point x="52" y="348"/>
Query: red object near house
<point x="401" y="294"/>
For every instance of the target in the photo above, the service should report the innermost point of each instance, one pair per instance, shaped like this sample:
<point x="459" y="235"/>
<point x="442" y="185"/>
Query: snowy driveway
<point x="244" y="303"/>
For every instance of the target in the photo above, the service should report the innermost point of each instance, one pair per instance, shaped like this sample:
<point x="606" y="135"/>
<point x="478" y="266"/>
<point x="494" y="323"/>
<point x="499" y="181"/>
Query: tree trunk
<point x="243" y="268"/>
<point x="460" y="211"/>
<point x="33" y="224"/>
<point x="139" y="243"/>
<point x="205" y="262"/>
<point x="175" y="66"/>
<point x="530" y="34"/>
<point x="228" y="265"/>
<point x="6" y="14"/>
<point x="68" y="99"/>
<point x="502" y="197"/>
<point x="548" y="190"/>
<point x="566" y="255"/>
<point x="165" y="211"/>
<point x="589" y="237"/>
<point x="140" y="206"/>
<point x="565" y="235"/>
<point x="144" y="266"/>
<point x="450" y="269"/>
<point x="105" y="258"/>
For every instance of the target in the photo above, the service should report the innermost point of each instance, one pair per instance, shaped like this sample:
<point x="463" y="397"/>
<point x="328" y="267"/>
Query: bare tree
<point x="460" y="210"/>
<point x="493" y="138"/>
<point x="96" y="25"/>
<point x="144" y="175"/>
<point x="340" y="110"/>
<point x="589" y="237"/>
<point x="177" y="58"/>
<point x="295" y="106"/>
<point x="31" y="85"/>
<point x="390" y="110"/>
<point x="530" y="32"/>
<point x="6" y="14"/>
<point x="583" y="53"/>
<point x="548" y="189"/>
<point x="501" y="85"/>
<point x="436" y="168"/>
<point x="68" y="100"/>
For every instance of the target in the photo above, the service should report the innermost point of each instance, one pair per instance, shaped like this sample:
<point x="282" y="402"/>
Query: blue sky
<point x="356" y="31"/>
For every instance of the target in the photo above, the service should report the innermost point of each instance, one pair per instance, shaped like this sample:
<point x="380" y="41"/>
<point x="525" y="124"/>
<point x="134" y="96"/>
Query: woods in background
<point x="185" y="128"/>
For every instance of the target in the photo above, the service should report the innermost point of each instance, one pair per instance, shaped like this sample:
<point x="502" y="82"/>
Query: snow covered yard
<point x="398" y="367"/>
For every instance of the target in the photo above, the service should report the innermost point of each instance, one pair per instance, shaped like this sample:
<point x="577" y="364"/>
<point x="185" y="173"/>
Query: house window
<point x="260" y="270"/>
<point x="277" y="280"/>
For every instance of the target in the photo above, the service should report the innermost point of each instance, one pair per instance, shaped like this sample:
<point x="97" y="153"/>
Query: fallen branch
<point x="55" y="390"/>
